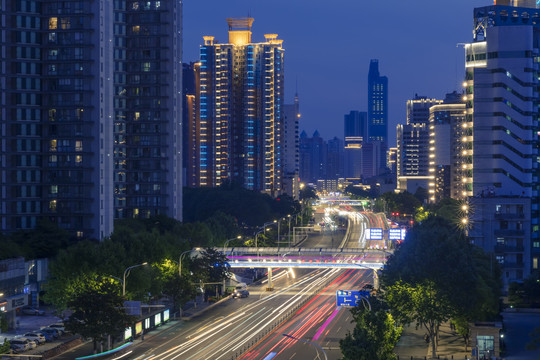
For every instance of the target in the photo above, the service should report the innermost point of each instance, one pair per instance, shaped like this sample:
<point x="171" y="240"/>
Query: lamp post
<point x="226" y="242"/>
<point x="256" y="242"/>
<point x="180" y="262"/>
<point x="289" y="216"/>
<point x="126" y="274"/>
<point x="308" y="342"/>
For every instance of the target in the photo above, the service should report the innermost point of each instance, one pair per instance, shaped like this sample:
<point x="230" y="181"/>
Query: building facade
<point x="291" y="148"/>
<point x="377" y="105"/>
<point x="446" y="148"/>
<point x="241" y="100"/>
<point x="90" y="113"/>
<point x="502" y="134"/>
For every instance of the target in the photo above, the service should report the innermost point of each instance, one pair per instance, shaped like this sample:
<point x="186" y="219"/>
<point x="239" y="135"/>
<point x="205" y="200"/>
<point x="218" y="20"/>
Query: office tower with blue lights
<point x="377" y="106"/>
<point x="90" y="109"/>
<point x="241" y="99"/>
<point x="502" y="133"/>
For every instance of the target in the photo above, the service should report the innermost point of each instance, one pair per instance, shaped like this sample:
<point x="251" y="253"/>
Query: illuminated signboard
<point x="350" y="297"/>
<point x="138" y="328"/>
<point x="374" y="234"/>
<point x="397" y="234"/>
<point x="157" y="319"/>
<point x="166" y="315"/>
<point x="127" y="333"/>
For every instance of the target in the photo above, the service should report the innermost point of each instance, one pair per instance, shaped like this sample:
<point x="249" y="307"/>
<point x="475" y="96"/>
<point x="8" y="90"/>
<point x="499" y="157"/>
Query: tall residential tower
<point x="90" y="112"/>
<point x="241" y="97"/>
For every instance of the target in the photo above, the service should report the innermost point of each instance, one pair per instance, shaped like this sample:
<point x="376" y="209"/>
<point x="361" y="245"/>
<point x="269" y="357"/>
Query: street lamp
<point x="126" y="274"/>
<point x="308" y="342"/>
<point x="226" y="242"/>
<point x="180" y="262"/>
<point x="289" y="216"/>
<point x="256" y="243"/>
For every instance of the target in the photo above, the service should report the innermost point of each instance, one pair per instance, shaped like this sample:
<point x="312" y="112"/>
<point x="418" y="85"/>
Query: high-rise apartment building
<point x="90" y="109"/>
<point x="241" y="100"/>
<point x="502" y="135"/>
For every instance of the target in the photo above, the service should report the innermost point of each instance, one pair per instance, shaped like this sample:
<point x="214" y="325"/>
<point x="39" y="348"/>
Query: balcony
<point x="509" y="216"/>
<point x="509" y="232"/>
<point x="499" y="249"/>
<point x="512" y="265"/>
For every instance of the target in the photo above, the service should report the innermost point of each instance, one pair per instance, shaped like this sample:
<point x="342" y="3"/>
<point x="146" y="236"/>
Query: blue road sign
<point x="350" y="297"/>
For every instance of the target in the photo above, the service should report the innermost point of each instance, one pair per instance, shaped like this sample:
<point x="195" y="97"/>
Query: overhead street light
<point x="226" y="242"/>
<point x="126" y="274"/>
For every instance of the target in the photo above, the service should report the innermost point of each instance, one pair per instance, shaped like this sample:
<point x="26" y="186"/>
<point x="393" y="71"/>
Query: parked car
<point x="60" y="327"/>
<point x="28" y="310"/>
<point x="31" y="344"/>
<point x="19" y="345"/>
<point x="240" y="294"/>
<point x="37" y="338"/>
<point x="50" y="331"/>
<point x="49" y="336"/>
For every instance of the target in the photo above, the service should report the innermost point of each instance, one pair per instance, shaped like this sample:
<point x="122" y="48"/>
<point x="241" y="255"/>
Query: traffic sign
<point x="350" y="297"/>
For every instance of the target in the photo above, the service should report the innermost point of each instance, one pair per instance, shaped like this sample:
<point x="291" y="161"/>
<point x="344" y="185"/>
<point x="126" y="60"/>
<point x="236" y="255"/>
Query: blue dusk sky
<point x="329" y="44"/>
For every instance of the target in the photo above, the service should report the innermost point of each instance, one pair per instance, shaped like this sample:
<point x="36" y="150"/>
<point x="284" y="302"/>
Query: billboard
<point x="374" y="234"/>
<point x="350" y="297"/>
<point x="397" y="234"/>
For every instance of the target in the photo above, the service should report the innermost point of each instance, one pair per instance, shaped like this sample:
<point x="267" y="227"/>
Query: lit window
<point x="53" y="23"/>
<point x="136" y="29"/>
<point x="52" y="145"/>
<point x="54" y="189"/>
<point x="52" y="205"/>
<point x="78" y="159"/>
<point x="78" y="145"/>
<point x="65" y="23"/>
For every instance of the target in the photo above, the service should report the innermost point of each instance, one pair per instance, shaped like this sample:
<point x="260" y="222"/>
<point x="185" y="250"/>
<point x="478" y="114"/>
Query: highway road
<point x="303" y="306"/>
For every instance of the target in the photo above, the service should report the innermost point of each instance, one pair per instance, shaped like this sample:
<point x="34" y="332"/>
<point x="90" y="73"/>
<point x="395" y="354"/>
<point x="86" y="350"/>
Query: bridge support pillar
<point x="375" y="279"/>
<point x="270" y="284"/>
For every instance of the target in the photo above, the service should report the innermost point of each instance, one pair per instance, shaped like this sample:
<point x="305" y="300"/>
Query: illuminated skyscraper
<point x="90" y="113"/>
<point x="241" y="110"/>
<point x="502" y="135"/>
<point x="378" y="108"/>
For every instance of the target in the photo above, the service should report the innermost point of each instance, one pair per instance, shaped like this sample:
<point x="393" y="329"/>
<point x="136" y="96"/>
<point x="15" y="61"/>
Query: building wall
<point x="241" y="101"/>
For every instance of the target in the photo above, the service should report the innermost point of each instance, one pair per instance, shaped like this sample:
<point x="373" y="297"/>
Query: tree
<point x="436" y="267"/>
<point x="375" y="335"/>
<point x="98" y="311"/>
<point x="179" y="288"/>
<point x="421" y="303"/>
<point x="5" y="348"/>
<point x="211" y="266"/>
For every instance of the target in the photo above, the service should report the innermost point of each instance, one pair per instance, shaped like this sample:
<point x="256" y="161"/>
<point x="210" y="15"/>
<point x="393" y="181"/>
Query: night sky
<point x="328" y="46"/>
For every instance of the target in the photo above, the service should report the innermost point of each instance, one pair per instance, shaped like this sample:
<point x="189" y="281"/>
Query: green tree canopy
<point x="98" y="311"/>
<point x="437" y="261"/>
<point x="374" y="336"/>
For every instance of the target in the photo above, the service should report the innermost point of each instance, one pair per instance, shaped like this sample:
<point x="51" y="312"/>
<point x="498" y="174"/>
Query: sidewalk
<point x="413" y="346"/>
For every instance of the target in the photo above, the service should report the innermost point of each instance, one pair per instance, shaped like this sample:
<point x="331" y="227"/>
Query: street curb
<point x="188" y="318"/>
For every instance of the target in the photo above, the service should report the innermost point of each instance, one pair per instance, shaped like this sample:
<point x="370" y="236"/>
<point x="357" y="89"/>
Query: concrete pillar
<point x="270" y="285"/>
<point x="375" y="279"/>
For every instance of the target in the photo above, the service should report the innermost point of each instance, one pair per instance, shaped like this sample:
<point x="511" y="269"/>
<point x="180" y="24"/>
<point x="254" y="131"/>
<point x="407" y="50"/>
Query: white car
<point x="37" y="338"/>
<point x="31" y="344"/>
<point x="19" y="345"/>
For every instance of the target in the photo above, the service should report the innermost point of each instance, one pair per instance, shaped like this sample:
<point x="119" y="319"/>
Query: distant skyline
<point x="329" y="47"/>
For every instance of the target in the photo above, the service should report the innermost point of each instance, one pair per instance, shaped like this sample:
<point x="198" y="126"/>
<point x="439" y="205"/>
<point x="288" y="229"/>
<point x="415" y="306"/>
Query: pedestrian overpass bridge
<point x="307" y="258"/>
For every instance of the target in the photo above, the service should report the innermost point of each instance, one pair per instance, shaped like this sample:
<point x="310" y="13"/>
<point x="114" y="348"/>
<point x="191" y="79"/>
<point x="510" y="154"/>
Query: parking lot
<point x="30" y="323"/>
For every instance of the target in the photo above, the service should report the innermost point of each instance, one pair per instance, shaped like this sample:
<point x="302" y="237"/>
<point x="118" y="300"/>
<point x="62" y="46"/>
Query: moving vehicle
<point x="239" y="293"/>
